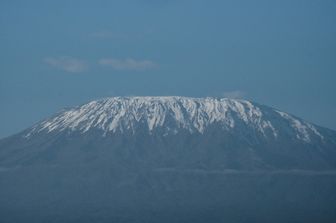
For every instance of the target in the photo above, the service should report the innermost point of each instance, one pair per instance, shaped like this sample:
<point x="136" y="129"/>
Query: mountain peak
<point x="173" y="113"/>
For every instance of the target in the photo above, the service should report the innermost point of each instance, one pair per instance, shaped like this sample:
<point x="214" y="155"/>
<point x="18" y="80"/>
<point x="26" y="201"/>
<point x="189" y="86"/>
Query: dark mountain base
<point x="88" y="194"/>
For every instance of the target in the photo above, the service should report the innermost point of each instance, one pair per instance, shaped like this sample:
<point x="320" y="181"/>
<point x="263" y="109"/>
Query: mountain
<point x="167" y="132"/>
<point x="169" y="159"/>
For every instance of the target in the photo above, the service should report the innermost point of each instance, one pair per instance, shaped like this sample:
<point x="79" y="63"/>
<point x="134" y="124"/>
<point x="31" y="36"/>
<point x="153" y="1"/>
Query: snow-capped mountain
<point x="169" y="159"/>
<point x="171" y="114"/>
<point x="215" y="133"/>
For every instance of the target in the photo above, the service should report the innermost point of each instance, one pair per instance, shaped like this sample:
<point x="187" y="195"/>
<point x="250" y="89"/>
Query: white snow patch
<point x="169" y="113"/>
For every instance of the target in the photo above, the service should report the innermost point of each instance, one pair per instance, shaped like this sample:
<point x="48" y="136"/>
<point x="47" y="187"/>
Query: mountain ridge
<point x="194" y="114"/>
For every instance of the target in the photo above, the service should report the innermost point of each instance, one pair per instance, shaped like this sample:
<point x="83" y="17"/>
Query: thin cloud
<point x="128" y="64"/>
<point x="234" y="94"/>
<point x="67" y="64"/>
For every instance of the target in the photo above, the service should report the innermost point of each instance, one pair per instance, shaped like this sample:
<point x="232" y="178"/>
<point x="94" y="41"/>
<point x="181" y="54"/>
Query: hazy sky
<point x="56" y="54"/>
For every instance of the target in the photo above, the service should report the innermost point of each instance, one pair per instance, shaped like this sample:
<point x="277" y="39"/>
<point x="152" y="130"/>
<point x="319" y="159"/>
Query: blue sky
<point x="56" y="54"/>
